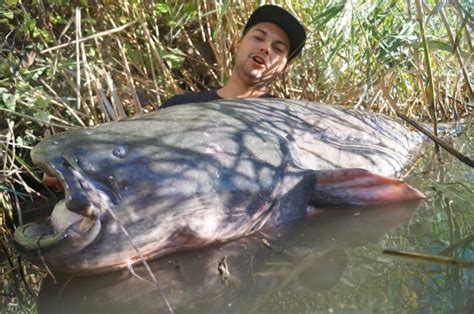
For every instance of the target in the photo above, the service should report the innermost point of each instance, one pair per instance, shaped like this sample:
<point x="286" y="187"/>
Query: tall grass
<point x="65" y="66"/>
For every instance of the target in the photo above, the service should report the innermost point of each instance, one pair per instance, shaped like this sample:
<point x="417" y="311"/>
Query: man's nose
<point x="265" y="47"/>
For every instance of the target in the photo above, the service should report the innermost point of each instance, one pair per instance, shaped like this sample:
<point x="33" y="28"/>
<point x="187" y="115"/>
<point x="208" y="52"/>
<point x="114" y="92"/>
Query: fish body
<point x="191" y="175"/>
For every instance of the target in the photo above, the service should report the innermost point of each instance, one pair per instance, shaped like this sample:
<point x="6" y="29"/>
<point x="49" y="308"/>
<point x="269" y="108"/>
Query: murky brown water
<point x="331" y="262"/>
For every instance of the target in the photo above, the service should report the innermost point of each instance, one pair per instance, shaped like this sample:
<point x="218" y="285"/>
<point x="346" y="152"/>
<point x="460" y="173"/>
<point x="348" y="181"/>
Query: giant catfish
<point x="191" y="175"/>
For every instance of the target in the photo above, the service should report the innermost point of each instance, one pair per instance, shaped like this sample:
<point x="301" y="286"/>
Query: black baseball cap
<point x="283" y="19"/>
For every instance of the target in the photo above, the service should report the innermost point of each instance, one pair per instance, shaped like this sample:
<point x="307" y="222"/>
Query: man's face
<point x="262" y="54"/>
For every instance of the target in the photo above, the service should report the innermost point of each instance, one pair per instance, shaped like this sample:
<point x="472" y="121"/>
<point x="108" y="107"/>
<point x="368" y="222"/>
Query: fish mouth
<point x="75" y="221"/>
<point x="64" y="233"/>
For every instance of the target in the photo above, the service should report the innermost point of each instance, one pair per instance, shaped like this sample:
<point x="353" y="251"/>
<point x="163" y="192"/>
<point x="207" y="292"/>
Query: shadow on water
<point x="238" y="277"/>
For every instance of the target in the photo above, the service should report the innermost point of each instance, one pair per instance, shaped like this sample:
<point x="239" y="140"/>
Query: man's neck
<point x="234" y="88"/>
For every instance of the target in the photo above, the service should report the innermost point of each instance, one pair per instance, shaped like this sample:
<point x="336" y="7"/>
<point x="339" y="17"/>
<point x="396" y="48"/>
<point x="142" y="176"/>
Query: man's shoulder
<point x="191" y="98"/>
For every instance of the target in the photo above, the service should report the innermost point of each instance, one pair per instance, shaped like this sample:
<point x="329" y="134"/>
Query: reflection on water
<point x="306" y="258"/>
<point x="329" y="262"/>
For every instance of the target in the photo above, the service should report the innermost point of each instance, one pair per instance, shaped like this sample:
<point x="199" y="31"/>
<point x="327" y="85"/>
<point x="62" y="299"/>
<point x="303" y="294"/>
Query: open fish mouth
<point x="46" y="237"/>
<point x="74" y="223"/>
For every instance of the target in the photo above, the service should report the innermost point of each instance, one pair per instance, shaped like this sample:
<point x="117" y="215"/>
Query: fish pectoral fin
<point x="354" y="186"/>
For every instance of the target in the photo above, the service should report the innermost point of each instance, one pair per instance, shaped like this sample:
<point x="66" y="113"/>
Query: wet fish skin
<point x="191" y="175"/>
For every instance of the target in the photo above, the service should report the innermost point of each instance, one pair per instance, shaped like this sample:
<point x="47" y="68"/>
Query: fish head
<point x="88" y="165"/>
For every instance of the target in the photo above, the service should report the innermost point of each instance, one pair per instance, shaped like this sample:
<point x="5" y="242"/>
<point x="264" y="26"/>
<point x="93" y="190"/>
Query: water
<point x="331" y="262"/>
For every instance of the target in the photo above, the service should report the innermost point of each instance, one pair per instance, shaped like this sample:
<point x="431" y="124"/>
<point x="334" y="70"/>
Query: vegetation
<point x="64" y="66"/>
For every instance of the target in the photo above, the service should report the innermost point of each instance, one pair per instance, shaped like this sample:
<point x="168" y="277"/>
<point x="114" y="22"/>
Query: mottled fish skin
<point x="190" y="175"/>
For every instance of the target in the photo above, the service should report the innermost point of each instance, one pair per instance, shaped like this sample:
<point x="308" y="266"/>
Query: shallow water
<point x="331" y="262"/>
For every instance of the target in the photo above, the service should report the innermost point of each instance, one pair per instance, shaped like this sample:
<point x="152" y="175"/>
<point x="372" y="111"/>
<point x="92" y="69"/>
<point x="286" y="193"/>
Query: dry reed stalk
<point x="63" y="32"/>
<point x="153" y="75"/>
<point x="209" y="40"/>
<point x="154" y="42"/>
<point x="225" y="53"/>
<point x="10" y="138"/>
<point x="78" y="58"/>
<point x="59" y="102"/>
<point x="457" y="88"/>
<point x="98" y="44"/>
<point x="430" y="89"/>
<point x="116" y="102"/>
<point x="190" y="81"/>
<point x="438" y="141"/>
<point x="51" y="116"/>
<point x="353" y="93"/>
<point x="23" y="167"/>
<point x="17" y="178"/>
<point x="39" y="121"/>
<point x="15" y="201"/>
<point x="100" y="34"/>
<point x="89" y="113"/>
<point x="129" y="78"/>
<point x="6" y="205"/>
<point x="199" y="59"/>
<point x="90" y="84"/>
<point x="201" y="27"/>
<point x="456" y="51"/>
<point x="104" y="104"/>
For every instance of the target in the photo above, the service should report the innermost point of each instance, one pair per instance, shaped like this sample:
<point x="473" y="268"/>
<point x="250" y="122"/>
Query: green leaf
<point x="161" y="8"/>
<point x="173" y="60"/>
<point x="9" y="15"/>
<point x="4" y="68"/>
<point x="57" y="19"/>
<point x="328" y="14"/>
<point x="190" y="9"/>
<point x="433" y="44"/>
<point x="41" y="102"/>
<point x="9" y="100"/>
<point x="42" y="115"/>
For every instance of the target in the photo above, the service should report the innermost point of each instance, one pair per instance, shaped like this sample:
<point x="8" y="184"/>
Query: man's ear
<point x="235" y="44"/>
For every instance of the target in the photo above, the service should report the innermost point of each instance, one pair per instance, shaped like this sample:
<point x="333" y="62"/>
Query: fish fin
<point x="354" y="186"/>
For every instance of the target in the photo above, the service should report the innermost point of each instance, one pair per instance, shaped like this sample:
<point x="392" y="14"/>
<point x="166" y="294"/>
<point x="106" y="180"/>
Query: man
<point x="271" y="38"/>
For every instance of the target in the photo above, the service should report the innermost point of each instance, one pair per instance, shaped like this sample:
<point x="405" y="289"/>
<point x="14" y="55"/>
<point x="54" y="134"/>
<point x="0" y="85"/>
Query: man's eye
<point x="278" y="50"/>
<point x="258" y="38"/>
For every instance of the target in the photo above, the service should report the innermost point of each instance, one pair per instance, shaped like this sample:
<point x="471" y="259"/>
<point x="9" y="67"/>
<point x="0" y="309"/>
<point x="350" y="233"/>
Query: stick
<point x="468" y="161"/>
<point x="100" y="34"/>
<point x="429" y="258"/>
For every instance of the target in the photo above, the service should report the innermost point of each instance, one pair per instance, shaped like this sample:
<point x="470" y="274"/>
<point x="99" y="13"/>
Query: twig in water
<point x="429" y="258"/>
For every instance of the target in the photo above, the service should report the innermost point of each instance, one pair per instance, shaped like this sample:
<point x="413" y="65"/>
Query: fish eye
<point x="120" y="151"/>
